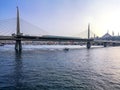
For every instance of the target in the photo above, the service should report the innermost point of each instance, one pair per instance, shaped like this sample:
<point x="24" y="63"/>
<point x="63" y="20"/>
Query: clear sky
<point x="66" y="17"/>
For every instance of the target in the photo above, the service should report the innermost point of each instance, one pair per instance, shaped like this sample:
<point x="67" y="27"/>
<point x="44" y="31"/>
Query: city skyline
<point x="66" y="17"/>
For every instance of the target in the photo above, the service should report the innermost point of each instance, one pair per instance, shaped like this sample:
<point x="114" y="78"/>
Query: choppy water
<point x="51" y="68"/>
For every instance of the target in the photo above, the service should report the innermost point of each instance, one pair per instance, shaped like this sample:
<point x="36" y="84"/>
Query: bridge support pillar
<point x="113" y="44"/>
<point x="88" y="42"/>
<point x="88" y="45"/>
<point x="105" y="44"/>
<point x="18" y="46"/>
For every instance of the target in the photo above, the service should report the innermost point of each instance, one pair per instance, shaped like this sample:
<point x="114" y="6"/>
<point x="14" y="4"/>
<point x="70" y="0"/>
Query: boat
<point x="66" y="49"/>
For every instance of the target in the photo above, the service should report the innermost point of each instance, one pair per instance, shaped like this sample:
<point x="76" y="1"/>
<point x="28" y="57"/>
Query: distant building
<point x="107" y="35"/>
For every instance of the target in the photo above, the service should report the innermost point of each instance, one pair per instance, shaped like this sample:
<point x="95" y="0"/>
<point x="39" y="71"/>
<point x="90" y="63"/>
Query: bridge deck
<point x="43" y="38"/>
<point x="53" y="38"/>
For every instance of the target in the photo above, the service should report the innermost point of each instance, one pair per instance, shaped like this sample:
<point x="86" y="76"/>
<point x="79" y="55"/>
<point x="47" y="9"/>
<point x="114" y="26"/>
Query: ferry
<point x="66" y="49"/>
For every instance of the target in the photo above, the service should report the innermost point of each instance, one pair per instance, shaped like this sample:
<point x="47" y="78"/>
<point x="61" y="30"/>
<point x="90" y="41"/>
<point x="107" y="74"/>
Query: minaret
<point x="112" y="33"/>
<point x="94" y="36"/>
<point x="107" y="31"/>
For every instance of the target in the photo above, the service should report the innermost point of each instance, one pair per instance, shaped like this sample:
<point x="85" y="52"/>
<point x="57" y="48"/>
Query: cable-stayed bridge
<point x="8" y="27"/>
<point x="84" y="34"/>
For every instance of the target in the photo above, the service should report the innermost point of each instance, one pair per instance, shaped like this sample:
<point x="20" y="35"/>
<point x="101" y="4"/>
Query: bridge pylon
<point x="88" y="42"/>
<point x="18" y="45"/>
<point x="105" y="44"/>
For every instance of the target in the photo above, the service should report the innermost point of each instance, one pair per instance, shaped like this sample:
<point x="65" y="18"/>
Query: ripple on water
<point x="36" y="69"/>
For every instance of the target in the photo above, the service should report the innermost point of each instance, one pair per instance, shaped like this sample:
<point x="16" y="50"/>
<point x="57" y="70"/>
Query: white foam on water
<point x="44" y="47"/>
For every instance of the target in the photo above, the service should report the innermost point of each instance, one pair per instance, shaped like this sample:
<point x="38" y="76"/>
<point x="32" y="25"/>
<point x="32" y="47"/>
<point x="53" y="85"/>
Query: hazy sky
<point x="66" y="17"/>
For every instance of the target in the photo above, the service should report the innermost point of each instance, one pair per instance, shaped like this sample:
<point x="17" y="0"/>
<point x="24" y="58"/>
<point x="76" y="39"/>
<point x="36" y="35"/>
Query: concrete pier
<point x="88" y="42"/>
